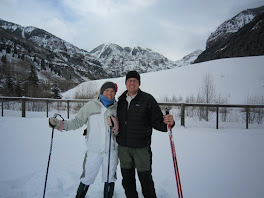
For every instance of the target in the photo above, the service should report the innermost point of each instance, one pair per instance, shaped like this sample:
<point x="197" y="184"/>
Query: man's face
<point x="132" y="85"/>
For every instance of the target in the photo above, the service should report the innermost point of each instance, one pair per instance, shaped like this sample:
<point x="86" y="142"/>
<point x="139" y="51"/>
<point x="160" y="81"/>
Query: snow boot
<point x="111" y="187"/>
<point x="82" y="190"/>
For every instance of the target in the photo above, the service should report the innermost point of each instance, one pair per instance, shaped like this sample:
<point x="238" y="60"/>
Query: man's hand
<point x="168" y="119"/>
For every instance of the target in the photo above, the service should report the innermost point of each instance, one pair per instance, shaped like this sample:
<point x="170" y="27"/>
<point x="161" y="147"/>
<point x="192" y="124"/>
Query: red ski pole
<point x="175" y="163"/>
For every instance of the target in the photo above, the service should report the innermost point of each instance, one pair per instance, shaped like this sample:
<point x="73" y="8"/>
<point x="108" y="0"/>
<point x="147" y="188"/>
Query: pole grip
<point x="167" y="111"/>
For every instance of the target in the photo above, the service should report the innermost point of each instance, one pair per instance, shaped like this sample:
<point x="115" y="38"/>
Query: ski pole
<point x="109" y="155"/>
<point x="51" y="142"/>
<point x="175" y="163"/>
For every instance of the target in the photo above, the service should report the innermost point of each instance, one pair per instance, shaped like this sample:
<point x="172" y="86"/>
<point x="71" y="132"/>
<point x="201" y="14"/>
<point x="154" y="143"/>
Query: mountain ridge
<point x="242" y="35"/>
<point x="54" y="62"/>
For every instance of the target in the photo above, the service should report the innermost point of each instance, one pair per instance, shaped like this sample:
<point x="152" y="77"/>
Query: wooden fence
<point x="182" y="106"/>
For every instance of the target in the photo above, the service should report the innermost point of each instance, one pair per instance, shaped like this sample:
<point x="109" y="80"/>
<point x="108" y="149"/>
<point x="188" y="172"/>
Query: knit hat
<point x="133" y="74"/>
<point x="107" y="85"/>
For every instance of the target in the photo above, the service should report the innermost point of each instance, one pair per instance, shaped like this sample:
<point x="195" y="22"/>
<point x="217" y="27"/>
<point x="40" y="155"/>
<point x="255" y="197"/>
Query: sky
<point x="173" y="28"/>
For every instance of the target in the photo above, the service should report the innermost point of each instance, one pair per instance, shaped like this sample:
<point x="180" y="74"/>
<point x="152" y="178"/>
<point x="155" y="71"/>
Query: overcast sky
<point x="174" y="28"/>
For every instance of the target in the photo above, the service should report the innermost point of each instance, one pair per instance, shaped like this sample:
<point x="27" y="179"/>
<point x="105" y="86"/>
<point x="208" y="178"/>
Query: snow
<point x="212" y="163"/>
<point x="232" y="25"/>
<point x="234" y="78"/>
<point x="219" y="163"/>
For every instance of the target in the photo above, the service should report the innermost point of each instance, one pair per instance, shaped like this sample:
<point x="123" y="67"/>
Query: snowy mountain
<point x="117" y="60"/>
<point x="233" y="25"/>
<point x="33" y="56"/>
<point x="57" y="51"/>
<point x="190" y="58"/>
<point x="56" y="62"/>
<point x="238" y="37"/>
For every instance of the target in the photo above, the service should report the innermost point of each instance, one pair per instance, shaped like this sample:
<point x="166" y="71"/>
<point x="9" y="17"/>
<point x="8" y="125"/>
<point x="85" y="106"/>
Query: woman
<point x="99" y="116"/>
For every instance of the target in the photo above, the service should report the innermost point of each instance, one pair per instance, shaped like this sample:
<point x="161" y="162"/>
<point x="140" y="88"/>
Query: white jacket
<point x="94" y="114"/>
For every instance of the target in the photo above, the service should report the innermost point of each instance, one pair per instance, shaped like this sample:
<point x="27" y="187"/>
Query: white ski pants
<point x="92" y="163"/>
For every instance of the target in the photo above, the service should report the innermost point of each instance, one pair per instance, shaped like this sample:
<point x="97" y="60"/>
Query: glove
<point x="113" y="123"/>
<point x="55" y="123"/>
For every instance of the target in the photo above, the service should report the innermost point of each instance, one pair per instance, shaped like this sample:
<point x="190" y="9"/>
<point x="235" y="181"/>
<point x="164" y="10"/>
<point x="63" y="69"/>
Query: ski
<point x="175" y="163"/>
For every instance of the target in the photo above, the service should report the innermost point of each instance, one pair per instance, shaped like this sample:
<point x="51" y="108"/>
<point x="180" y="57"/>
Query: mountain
<point x="233" y="25"/>
<point x="33" y="59"/>
<point x="56" y="62"/>
<point x="190" y="58"/>
<point x="58" y="51"/>
<point x="242" y="35"/>
<point x="30" y="55"/>
<point x="117" y="61"/>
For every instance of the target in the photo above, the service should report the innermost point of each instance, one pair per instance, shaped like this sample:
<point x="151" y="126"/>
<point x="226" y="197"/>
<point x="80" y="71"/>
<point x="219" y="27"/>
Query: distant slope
<point x="235" y="79"/>
<point x="117" y="61"/>
<point x="241" y="36"/>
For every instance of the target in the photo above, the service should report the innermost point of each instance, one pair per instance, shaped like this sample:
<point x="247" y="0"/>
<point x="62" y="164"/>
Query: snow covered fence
<point x="250" y="113"/>
<point x="203" y="110"/>
<point x="24" y="104"/>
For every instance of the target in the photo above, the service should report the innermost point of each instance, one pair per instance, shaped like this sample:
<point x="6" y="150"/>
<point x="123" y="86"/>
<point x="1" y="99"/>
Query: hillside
<point x="117" y="60"/>
<point x="32" y="59"/>
<point x="235" y="80"/>
<point x="240" y="36"/>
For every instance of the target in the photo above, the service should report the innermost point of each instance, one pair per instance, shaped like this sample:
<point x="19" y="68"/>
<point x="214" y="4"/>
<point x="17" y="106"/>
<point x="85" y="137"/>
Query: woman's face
<point x="109" y="93"/>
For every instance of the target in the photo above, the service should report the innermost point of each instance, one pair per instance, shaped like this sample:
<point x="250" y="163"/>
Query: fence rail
<point x="213" y="107"/>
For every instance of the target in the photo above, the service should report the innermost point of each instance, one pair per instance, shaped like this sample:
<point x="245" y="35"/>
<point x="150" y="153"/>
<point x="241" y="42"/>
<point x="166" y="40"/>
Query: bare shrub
<point x="255" y="114"/>
<point x="224" y="111"/>
<point x="190" y="111"/>
<point x="200" y="111"/>
<point x="87" y="92"/>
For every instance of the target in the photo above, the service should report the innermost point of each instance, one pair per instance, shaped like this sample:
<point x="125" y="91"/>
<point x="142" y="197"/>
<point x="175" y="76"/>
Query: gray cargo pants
<point x="140" y="159"/>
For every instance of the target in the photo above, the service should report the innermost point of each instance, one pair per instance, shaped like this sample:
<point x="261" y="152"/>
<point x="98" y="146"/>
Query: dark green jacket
<point x="136" y="123"/>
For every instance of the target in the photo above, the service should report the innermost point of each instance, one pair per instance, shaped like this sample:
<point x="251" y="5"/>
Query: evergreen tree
<point x="18" y="89"/>
<point x="42" y="64"/>
<point x="8" y="50"/>
<point x="15" y="50"/>
<point x="56" y="92"/>
<point x="3" y="59"/>
<point x="31" y="86"/>
<point x="9" y="85"/>
<point x="33" y="77"/>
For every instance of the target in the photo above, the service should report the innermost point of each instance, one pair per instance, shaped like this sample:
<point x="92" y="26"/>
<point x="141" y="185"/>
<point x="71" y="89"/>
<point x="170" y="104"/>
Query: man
<point x="138" y="112"/>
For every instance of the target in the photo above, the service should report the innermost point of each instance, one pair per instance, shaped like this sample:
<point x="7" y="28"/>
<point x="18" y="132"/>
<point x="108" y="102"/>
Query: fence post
<point x="47" y="108"/>
<point x="68" y="109"/>
<point x="23" y="107"/>
<point x="2" y="107"/>
<point x="182" y="114"/>
<point x="247" y="117"/>
<point x="217" y="114"/>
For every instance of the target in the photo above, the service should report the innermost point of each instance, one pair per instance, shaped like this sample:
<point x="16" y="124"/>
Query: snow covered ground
<point x="223" y="163"/>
